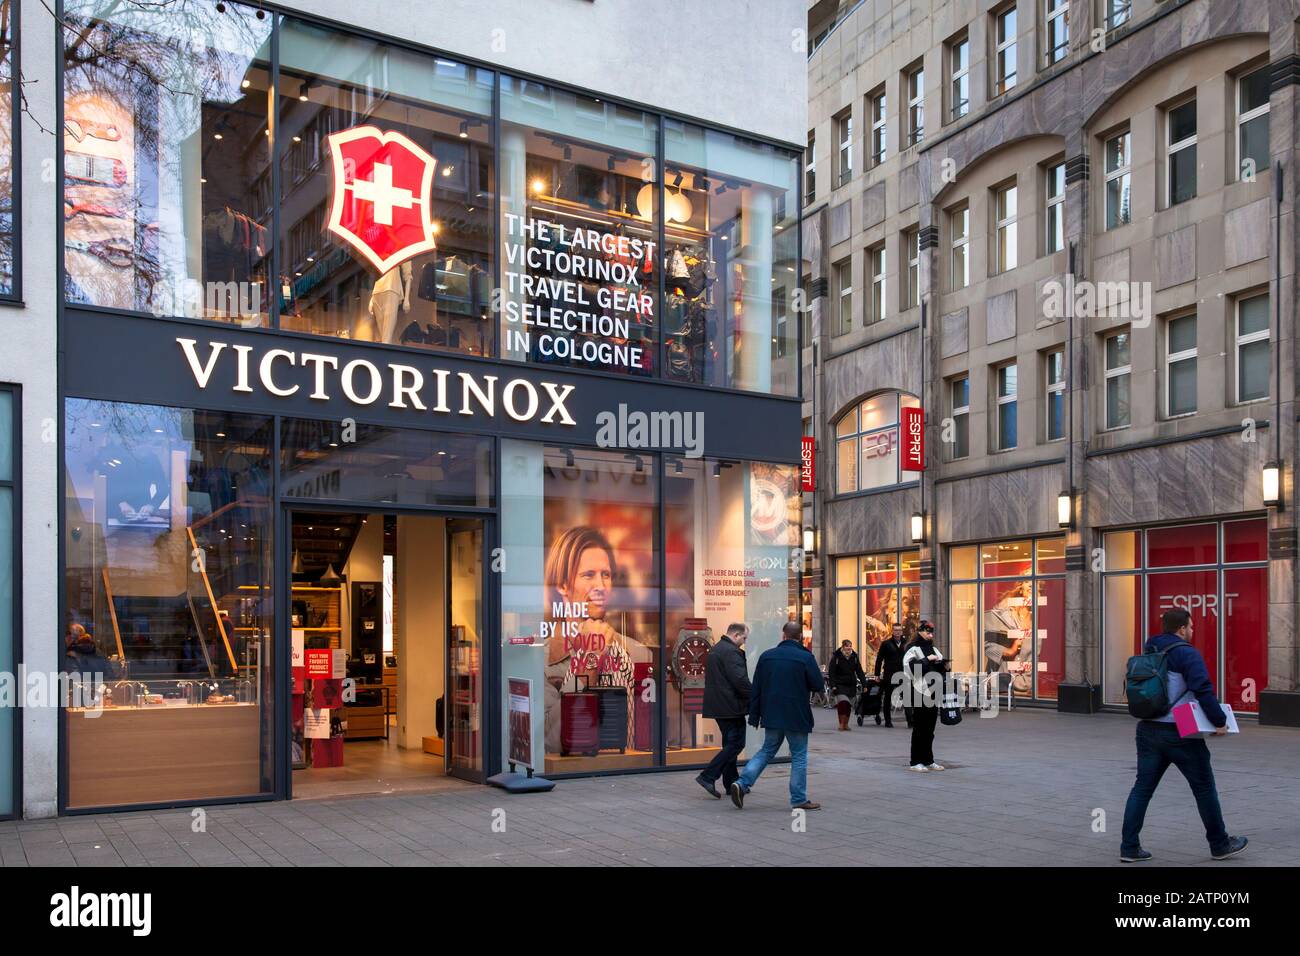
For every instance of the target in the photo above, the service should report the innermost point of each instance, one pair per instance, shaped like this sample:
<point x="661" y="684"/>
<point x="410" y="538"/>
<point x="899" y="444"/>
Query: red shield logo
<point x="383" y="186"/>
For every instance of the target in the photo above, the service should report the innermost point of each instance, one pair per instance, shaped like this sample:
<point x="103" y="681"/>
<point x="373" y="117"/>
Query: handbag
<point x="950" y="711"/>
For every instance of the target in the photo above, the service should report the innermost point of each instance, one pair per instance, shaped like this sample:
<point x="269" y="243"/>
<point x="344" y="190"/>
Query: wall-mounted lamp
<point x="809" y="541"/>
<point x="1272" y="480"/>
<point x="918" y="527"/>
<point x="1065" y="509"/>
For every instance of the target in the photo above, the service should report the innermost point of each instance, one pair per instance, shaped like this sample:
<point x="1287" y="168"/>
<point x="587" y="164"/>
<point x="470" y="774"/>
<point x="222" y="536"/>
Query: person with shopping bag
<point x="921" y="660"/>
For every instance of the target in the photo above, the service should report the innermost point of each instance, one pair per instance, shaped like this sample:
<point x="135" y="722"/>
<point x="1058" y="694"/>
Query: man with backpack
<point x="1170" y="672"/>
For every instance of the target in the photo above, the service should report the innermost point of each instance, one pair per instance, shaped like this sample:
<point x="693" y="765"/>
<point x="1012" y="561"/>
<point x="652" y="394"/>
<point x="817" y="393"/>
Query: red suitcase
<point x="579" y="723"/>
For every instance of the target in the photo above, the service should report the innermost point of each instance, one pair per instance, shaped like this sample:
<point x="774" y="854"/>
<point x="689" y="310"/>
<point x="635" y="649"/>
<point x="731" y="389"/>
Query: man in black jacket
<point x="726" y="700"/>
<point x="890" y="659"/>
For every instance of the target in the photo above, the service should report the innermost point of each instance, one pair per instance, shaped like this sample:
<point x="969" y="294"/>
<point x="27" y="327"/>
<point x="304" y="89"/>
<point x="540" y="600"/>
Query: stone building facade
<point x="1056" y="226"/>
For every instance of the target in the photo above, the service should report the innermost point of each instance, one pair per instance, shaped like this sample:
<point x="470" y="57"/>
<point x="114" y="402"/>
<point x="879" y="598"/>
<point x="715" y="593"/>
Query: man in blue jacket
<point x="1159" y="744"/>
<point x="785" y="677"/>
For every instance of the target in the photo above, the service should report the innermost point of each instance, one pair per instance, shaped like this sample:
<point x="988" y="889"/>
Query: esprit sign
<point x="382" y="198"/>
<point x="913" y="425"/>
<point x="807" y="464"/>
<point x="365" y="383"/>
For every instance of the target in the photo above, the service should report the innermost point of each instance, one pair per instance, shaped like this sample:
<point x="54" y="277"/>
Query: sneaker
<point x="1141" y="856"/>
<point x="935" y="766"/>
<point x="738" y="795"/>
<point x="709" y="788"/>
<point x="1235" y="846"/>
<point x="919" y="768"/>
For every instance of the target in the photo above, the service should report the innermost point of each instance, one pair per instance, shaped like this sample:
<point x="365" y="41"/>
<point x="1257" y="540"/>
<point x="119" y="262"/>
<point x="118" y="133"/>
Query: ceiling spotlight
<point x="464" y="129"/>
<point x="568" y="152"/>
<point x="678" y="181"/>
<point x="246" y="84"/>
<point x="538" y="185"/>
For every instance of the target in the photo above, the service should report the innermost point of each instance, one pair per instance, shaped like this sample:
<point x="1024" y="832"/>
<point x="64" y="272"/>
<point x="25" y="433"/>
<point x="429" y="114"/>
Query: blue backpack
<point x="1146" y="683"/>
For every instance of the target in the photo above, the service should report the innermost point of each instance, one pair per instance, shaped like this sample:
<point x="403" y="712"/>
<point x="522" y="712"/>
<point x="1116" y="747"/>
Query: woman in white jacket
<point x="925" y="703"/>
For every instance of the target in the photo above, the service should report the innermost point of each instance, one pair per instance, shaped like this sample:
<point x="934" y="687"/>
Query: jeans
<point x="1158" y="746"/>
<point x="798" y="763"/>
<point x="923" y="722"/>
<point x="724" y="762"/>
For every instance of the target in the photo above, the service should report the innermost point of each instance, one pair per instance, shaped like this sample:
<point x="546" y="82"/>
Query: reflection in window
<point x="579" y="239"/>
<point x="167" y="193"/>
<point x="7" y="120"/>
<point x="355" y="90"/>
<point x="168" y="586"/>
<point x="867" y="443"/>
<point x="730" y="260"/>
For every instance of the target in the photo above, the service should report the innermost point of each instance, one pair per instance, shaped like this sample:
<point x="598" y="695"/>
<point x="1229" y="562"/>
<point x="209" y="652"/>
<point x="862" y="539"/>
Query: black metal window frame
<point x="14" y="601"/>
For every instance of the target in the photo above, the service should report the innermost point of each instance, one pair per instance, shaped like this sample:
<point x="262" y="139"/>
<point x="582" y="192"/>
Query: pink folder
<point x="1192" y="722"/>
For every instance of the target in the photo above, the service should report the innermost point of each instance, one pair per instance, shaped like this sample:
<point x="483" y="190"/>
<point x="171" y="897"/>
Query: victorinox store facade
<point x="407" y="403"/>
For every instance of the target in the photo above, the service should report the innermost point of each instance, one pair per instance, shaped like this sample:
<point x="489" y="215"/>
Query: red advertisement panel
<point x="1196" y="592"/>
<point x="1245" y="540"/>
<point x="1182" y="545"/>
<point x="1245" y="637"/>
<point x="913" y="427"/>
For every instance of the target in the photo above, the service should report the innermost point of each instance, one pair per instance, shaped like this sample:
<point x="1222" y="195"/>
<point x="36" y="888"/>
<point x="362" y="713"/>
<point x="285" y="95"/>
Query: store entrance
<point x="385" y="622"/>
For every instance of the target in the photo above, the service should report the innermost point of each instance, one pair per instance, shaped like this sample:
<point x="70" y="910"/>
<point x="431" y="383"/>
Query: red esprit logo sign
<point x="913" y="440"/>
<point x="807" y="464"/>
<point x="383" y="185"/>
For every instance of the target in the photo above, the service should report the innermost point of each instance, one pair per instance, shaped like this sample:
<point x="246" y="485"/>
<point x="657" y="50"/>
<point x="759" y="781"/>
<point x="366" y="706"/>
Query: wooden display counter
<point x="159" y="754"/>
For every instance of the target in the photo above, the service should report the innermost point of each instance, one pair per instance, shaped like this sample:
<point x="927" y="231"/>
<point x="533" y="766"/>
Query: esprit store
<point x="414" y="413"/>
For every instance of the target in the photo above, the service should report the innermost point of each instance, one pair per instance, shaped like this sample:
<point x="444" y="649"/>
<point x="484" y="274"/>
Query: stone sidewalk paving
<point x="1027" y="788"/>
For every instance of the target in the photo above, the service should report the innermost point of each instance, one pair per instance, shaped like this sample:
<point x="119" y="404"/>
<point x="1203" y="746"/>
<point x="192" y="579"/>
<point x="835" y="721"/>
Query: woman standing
<point x="844" y="674"/>
<point x="923" y="658"/>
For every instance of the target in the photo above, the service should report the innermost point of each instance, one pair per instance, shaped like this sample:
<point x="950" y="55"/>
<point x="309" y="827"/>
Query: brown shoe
<point x="808" y="805"/>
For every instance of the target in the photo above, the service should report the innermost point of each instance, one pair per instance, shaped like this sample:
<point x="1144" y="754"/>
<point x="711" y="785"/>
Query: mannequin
<point x="392" y="292"/>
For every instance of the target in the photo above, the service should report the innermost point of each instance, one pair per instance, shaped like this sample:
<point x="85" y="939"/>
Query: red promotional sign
<point x="807" y="466"/>
<point x="913" y="426"/>
<point x="320" y="663"/>
<point x="383" y="187"/>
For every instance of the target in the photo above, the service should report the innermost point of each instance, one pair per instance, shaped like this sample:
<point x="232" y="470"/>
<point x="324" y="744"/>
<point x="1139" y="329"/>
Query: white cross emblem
<point x="381" y="191"/>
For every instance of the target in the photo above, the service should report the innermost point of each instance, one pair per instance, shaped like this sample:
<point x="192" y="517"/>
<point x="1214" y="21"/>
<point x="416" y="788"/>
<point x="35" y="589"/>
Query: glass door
<point x="465" y="737"/>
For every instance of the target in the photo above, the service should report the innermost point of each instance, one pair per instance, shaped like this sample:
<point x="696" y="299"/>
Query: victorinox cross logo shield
<point x="383" y="184"/>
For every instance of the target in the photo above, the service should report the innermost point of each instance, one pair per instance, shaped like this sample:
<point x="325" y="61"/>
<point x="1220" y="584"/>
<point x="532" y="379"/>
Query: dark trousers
<point x="923" y="721"/>
<point x="724" y="762"/>
<point x="1158" y="746"/>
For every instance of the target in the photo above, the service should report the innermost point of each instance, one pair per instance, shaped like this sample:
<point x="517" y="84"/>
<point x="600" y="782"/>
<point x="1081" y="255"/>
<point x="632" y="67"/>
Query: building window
<point x="1004" y="228"/>
<point x="1056" y="30"/>
<point x="1252" y="124"/>
<point x="1007" y="617"/>
<point x="872" y="594"/>
<point x="867" y="442"/>
<point x="844" y="283"/>
<point x="1116" y="13"/>
<point x="914" y="84"/>
<point x="912" y="250"/>
<point x="959" y="404"/>
<point x="1180" y="166"/>
<point x="959" y="227"/>
<point x="1119" y="375"/>
<point x="810" y="169"/>
<point x="1055" y="394"/>
<point x="959" y="67"/>
<point x="1054" y="235"/>
<point x="10" y="759"/>
<point x="879" y="125"/>
<point x="1004" y="50"/>
<point x="1252" y="348"/>
<point x="1180" y="366"/>
<point x="1217" y="571"/>
<point x="9" y="124"/>
<point x="876" y="266"/>
<point x="1006" y="404"/>
<point x="844" y="136"/>
<point x="1119" y="210"/>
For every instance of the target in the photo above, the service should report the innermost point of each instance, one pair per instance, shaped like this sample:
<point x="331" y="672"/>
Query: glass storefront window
<point x="168" y="585"/>
<point x="1120" y="549"/>
<point x="1049" y="555"/>
<point x="167" y="182"/>
<point x="8" y="596"/>
<point x="868" y="441"/>
<point x="1005" y="559"/>
<point x="579" y="231"/>
<point x="870" y="602"/>
<point x="1122" y="627"/>
<point x="1182" y="545"/>
<point x="731" y="260"/>
<point x="1245" y="541"/>
<point x="8" y="224"/>
<point x="963" y="563"/>
<point x="339" y="92"/>
<point x="327" y="460"/>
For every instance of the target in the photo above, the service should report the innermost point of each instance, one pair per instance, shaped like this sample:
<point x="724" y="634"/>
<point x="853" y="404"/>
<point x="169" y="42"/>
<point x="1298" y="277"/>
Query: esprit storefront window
<point x="579" y="231"/>
<point x="867" y="443"/>
<point x="368" y="133"/>
<point x="731" y="210"/>
<point x="1006" y="608"/>
<point x="614" y="682"/>
<point x="168" y="590"/>
<point x="167" y="181"/>
<point x="873" y="593"/>
<point x="1217" y="571"/>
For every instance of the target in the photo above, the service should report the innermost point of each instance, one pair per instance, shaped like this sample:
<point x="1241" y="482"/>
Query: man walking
<point x="785" y="677"/>
<point x="889" y="659"/>
<point x="1159" y="744"/>
<point x="726" y="700"/>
